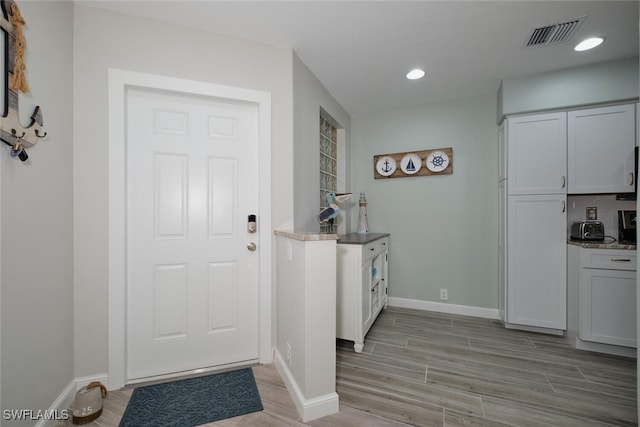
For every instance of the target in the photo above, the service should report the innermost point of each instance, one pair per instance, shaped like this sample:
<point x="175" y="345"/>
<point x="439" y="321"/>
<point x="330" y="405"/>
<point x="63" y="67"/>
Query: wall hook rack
<point x="14" y="133"/>
<point x="11" y="23"/>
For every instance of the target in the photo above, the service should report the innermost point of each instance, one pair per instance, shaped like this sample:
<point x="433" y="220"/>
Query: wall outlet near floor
<point x="288" y="355"/>
<point x="444" y="294"/>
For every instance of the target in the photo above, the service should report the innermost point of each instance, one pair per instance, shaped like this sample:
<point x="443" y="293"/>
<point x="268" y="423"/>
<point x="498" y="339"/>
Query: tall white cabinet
<point x="544" y="157"/>
<point x="533" y="192"/>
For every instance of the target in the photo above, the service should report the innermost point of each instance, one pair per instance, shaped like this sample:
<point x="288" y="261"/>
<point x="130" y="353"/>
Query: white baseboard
<point x="441" y="307"/>
<point x="309" y="409"/>
<point x="537" y="329"/>
<point x="62" y="403"/>
<point x="65" y="399"/>
<point x="84" y="381"/>
<point x="606" y="348"/>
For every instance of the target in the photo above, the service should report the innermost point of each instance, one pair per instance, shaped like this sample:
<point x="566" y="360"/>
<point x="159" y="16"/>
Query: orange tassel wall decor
<point x="18" y="80"/>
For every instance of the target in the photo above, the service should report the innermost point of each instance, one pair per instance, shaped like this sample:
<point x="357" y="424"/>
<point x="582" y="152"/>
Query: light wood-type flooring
<point x="431" y="369"/>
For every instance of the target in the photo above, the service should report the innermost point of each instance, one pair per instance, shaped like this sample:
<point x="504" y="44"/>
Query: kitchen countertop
<point x="360" y="239"/>
<point x="304" y="236"/>
<point x="601" y="245"/>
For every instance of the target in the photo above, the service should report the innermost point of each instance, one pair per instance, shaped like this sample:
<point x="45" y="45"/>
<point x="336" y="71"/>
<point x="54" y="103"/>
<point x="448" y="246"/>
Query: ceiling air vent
<point x="548" y="35"/>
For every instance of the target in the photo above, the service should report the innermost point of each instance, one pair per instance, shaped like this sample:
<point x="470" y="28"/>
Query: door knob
<point x="251" y="246"/>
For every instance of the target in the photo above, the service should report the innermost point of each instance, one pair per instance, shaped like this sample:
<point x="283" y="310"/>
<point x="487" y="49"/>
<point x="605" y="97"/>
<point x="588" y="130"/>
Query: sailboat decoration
<point x="12" y="132"/>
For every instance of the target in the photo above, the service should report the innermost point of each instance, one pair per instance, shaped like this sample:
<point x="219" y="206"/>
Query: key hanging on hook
<point x="17" y="150"/>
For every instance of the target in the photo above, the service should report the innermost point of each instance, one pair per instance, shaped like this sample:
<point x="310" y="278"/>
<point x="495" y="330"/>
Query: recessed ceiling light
<point x="588" y="44"/>
<point x="415" y="74"/>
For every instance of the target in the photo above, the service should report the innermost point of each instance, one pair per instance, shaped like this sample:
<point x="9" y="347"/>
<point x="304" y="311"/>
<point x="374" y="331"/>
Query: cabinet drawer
<point x="609" y="259"/>
<point x="375" y="247"/>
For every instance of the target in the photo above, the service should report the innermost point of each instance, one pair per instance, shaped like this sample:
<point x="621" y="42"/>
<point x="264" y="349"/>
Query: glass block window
<point x="328" y="166"/>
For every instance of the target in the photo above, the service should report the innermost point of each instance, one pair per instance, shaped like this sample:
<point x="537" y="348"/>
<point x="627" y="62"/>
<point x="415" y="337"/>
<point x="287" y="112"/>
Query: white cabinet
<point x="637" y="124"/>
<point x="601" y="145"/>
<point x="536" y="261"/>
<point x="537" y="154"/>
<point x="362" y="284"/>
<point x="602" y="299"/>
<point x="542" y="158"/>
<point x="502" y="151"/>
<point x="502" y="220"/>
<point x="533" y="211"/>
<point x="608" y="297"/>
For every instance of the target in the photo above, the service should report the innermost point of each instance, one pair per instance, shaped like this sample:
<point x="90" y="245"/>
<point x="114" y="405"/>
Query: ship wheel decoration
<point x="12" y="132"/>
<point x="437" y="161"/>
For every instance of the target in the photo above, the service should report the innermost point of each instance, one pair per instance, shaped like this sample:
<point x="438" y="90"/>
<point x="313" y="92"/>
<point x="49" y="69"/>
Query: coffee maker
<point x="627" y="227"/>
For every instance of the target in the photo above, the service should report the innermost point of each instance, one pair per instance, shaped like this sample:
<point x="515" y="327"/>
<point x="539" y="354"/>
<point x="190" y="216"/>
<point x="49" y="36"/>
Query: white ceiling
<point x="361" y="50"/>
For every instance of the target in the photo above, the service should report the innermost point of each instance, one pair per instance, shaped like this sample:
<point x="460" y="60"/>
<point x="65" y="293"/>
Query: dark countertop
<point x="601" y="245"/>
<point x="360" y="239"/>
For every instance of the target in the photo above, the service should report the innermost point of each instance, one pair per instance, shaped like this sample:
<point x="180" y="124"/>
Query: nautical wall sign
<point x="12" y="132"/>
<point x="438" y="161"/>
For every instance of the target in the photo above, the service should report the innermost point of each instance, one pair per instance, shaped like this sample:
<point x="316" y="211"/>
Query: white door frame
<point x="118" y="82"/>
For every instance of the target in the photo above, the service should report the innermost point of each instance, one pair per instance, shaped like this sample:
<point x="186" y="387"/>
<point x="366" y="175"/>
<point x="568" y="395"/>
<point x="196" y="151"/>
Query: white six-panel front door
<point x="192" y="292"/>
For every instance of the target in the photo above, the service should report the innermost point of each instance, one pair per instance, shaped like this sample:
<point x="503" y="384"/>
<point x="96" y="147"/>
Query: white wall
<point x="444" y="229"/>
<point x="37" y="224"/>
<point x="309" y="96"/>
<point x="105" y="39"/>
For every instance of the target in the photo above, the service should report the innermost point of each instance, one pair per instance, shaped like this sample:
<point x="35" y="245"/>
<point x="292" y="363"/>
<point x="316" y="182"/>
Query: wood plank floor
<point x="431" y="369"/>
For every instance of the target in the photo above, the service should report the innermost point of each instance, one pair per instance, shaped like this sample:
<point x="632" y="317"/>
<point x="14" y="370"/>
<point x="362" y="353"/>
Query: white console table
<point x="362" y="284"/>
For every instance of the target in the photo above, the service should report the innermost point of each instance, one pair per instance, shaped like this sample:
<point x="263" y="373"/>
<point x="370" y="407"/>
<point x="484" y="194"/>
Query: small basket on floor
<point x="87" y="405"/>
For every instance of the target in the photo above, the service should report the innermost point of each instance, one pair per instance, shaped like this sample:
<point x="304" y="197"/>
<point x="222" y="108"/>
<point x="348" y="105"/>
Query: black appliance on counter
<point x="627" y="227"/>
<point x="587" y="230"/>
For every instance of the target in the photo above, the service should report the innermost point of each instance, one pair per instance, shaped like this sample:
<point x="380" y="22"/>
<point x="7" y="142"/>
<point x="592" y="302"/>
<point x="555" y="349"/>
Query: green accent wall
<point x="444" y="229"/>
<point x="604" y="82"/>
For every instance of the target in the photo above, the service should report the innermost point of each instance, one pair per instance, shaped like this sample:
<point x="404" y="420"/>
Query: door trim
<point x="118" y="83"/>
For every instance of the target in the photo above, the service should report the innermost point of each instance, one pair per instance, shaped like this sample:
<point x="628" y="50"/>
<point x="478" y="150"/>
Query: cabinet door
<point x="537" y="154"/>
<point x="536" y="261"/>
<point x="366" y="295"/>
<point x="384" y="290"/>
<point x="608" y="306"/>
<point x="601" y="145"/>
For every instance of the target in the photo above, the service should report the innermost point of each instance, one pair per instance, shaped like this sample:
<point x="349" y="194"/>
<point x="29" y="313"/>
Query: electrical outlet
<point x="444" y="294"/>
<point x="288" y="356"/>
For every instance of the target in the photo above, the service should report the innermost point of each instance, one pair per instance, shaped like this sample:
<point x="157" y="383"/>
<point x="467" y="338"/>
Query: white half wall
<point x="306" y="343"/>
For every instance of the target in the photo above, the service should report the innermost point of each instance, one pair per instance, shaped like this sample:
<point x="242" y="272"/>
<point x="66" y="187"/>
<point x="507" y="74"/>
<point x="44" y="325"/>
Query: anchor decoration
<point x="12" y="132"/>
<point x="386" y="166"/>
